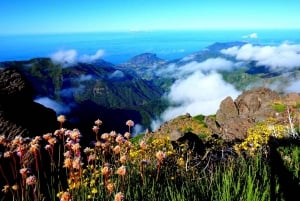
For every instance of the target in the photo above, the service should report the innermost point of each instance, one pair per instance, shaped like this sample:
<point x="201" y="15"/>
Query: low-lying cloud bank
<point x="283" y="57"/>
<point x="198" y="88"/>
<point x="71" y="57"/>
<point x="59" y="108"/>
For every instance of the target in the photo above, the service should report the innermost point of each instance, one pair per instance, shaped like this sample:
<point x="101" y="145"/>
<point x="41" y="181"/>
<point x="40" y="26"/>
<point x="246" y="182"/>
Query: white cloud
<point x="209" y="65"/>
<point x="284" y="56"/>
<point x="70" y="57"/>
<point x="198" y="94"/>
<point x="116" y="74"/>
<point x="66" y="57"/>
<point x="59" y="108"/>
<point x="252" y="35"/>
<point x="91" y="58"/>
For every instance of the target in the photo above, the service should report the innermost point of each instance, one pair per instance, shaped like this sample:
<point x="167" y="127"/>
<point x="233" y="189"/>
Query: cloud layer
<point x="283" y="57"/>
<point x="71" y="57"/>
<point x="198" y="88"/>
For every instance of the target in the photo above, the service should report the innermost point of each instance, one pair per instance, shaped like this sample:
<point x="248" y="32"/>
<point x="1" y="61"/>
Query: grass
<point x="56" y="166"/>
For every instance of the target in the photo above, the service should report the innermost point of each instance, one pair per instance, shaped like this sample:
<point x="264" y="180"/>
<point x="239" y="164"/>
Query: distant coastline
<point x="118" y="47"/>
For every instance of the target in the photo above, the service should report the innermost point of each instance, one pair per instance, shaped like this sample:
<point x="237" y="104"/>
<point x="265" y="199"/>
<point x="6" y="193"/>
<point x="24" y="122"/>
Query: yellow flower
<point x="94" y="190"/>
<point x="180" y="162"/>
<point x="92" y="183"/>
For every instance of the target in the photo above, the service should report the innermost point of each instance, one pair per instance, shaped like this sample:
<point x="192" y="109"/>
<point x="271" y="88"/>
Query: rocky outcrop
<point x="235" y="117"/>
<point x="19" y="114"/>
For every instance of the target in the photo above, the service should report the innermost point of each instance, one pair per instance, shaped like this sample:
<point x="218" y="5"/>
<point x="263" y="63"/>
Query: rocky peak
<point x="235" y="117"/>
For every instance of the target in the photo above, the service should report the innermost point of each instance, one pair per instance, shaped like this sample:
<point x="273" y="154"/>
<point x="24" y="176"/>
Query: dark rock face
<point x="235" y="117"/>
<point x="194" y="143"/>
<point x="19" y="115"/>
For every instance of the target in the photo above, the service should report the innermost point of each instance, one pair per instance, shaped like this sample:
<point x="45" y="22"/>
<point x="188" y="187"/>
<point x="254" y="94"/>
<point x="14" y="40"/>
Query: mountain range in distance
<point x="150" y="90"/>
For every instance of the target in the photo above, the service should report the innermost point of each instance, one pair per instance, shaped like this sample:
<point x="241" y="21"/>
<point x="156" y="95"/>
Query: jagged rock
<point x="234" y="118"/>
<point x="227" y="110"/>
<point x="19" y="114"/>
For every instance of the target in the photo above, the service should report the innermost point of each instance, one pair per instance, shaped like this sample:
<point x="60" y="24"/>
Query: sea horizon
<point x="119" y="47"/>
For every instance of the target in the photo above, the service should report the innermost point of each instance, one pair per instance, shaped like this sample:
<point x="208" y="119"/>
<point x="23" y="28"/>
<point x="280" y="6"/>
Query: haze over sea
<point x="119" y="47"/>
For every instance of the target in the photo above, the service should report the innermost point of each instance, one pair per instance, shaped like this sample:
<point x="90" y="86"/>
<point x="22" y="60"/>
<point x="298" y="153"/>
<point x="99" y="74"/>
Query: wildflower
<point x="121" y="170"/>
<point x="104" y="136"/>
<point x="98" y="144"/>
<point x="143" y="144"/>
<point x="180" y="162"/>
<point x="113" y="134"/>
<point x="67" y="154"/>
<point x="52" y="141"/>
<point x="34" y="148"/>
<point x="76" y="163"/>
<point x="31" y="180"/>
<point x="119" y="196"/>
<point x="5" y="189"/>
<point x="110" y="187"/>
<point x="91" y="157"/>
<point x="87" y="150"/>
<point x="98" y="122"/>
<point x="76" y="147"/>
<point x="2" y="139"/>
<point x="117" y="149"/>
<point x="48" y="147"/>
<point x="106" y="171"/>
<point x="23" y="171"/>
<point x="94" y="190"/>
<point x="65" y="196"/>
<point x="7" y="154"/>
<point x="18" y="140"/>
<point x="47" y="136"/>
<point x="15" y="187"/>
<point x="123" y="159"/>
<point x="95" y="129"/>
<point x="119" y="139"/>
<point x="61" y="119"/>
<point x="75" y="134"/>
<point x="160" y="155"/>
<point x="92" y="183"/>
<point x="68" y="163"/>
<point x="127" y="135"/>
<point x="130" y="123"/>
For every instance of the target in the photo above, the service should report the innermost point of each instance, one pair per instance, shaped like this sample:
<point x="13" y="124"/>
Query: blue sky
<point x="58" y="16"/>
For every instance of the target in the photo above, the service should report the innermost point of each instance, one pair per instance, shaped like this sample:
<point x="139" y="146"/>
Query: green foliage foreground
<point x="116" y="167"/>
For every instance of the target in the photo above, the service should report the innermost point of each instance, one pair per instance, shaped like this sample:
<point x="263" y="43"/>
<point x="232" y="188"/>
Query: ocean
<point x="119" y="47"/>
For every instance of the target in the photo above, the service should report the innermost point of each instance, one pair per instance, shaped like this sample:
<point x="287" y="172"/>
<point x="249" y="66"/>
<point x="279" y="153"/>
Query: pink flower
<point x="160" y="155"/>
<point x="121" y="170"/>
<point x="31" y="180"/>
<point x="117" y="149"/>
<point x="127" y="135"/>
<point x="130" y="123"/>
<point x="98" y="122"/>
<point x="119" y="196"/>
